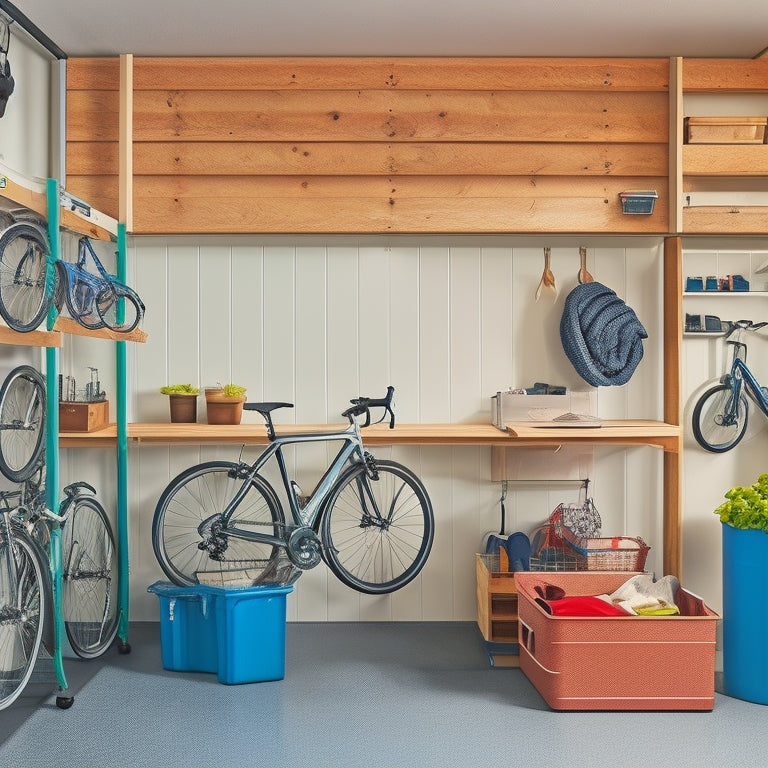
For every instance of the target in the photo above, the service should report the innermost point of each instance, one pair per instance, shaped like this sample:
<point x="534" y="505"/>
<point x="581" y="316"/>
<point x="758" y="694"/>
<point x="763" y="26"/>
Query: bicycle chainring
<point x="304" y="548"/>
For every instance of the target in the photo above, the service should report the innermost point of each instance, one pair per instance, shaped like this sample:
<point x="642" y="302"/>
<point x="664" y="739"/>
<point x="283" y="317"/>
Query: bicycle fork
<point x="730" y="414"/>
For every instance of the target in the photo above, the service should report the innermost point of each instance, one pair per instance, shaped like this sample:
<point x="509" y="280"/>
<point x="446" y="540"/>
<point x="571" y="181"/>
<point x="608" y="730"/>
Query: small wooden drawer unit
<point x="83" y="417"/>
<point x="496" y="599"/>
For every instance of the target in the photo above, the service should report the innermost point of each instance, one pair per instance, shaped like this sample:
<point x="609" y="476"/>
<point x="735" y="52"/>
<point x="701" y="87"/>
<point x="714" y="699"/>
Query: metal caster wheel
<point x="65" y="702"/>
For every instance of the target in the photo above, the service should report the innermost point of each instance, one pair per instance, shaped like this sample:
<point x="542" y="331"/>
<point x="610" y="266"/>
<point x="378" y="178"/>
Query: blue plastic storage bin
<point x="237" y="633"/>
<point x="745" y="614"/>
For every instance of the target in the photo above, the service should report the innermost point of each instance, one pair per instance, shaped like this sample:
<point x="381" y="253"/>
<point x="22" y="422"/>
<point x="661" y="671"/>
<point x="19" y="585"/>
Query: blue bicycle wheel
<point x="25" y="292"/>
<point x="718" y="422"/>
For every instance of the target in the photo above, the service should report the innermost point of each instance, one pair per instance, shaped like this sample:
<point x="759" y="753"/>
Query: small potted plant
<point x="224" y="405"/>
<point x="183" y="402"/>
<point x="744" y="518"/>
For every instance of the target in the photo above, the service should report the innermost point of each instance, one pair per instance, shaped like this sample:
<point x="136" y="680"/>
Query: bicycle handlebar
<point x="744" y="325"/>
<point x="362" y="406"/>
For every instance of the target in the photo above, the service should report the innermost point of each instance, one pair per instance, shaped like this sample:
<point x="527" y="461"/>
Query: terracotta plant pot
<point x="183" y="408"/>
<point x="222" y="409"/>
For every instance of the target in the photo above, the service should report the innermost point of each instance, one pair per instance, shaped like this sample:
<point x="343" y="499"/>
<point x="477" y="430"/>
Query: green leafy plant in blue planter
<point x="746" y="507"/>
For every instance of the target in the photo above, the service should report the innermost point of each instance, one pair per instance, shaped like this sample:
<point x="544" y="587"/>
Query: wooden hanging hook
<point x="584" y="276"/>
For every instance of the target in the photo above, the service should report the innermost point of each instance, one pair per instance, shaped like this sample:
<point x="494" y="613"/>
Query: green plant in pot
<point x="747" y="507"/>
<point x="744" y="518"/>
<point x="224" y="405"/>
<point x="183" y="402"/>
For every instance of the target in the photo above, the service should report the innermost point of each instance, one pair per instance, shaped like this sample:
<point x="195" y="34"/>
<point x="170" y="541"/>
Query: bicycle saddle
<point x="265" y="408"/>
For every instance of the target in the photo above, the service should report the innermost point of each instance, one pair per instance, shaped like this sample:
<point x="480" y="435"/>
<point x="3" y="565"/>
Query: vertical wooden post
<point x="125" y="146"/>
<point x="675" y="144"/>
<point x="673" y="460"/>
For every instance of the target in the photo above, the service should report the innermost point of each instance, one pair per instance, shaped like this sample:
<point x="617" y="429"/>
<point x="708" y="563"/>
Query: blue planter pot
<point x="745" y="614"/>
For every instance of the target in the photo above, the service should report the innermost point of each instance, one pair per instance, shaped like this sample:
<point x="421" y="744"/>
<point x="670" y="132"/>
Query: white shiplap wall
<point x="447" y="321"/>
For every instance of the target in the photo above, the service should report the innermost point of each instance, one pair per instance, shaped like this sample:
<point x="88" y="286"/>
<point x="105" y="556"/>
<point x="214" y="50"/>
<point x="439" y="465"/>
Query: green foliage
<point x="233" y="390"/>
<point x="746" y="507"/>
<point x="179" y="389"/>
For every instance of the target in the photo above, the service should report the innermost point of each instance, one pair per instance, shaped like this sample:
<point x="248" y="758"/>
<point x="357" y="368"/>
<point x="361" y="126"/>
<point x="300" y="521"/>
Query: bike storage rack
<point x="80" y="219"/>
<point x="65" y="213"/>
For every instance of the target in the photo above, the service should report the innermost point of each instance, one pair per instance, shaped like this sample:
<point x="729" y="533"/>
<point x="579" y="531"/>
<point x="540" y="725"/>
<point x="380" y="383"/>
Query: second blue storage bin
<point x="237" y="633"/>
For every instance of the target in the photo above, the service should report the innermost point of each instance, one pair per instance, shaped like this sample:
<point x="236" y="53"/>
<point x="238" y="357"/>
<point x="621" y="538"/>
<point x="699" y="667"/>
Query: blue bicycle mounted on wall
<point x="720" y="415"/>
<point x="31" y="282"/>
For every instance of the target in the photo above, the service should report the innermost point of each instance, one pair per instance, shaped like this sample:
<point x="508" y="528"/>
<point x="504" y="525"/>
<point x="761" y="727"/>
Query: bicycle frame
<point x="740" y="376"/>
<point x="309" y="514"/>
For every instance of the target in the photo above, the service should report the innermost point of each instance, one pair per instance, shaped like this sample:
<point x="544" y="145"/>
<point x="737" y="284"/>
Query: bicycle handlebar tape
<point x="601" y="335"/>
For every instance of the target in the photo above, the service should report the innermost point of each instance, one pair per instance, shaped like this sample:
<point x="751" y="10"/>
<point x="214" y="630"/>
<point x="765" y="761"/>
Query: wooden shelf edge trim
<point x="37" y="338"/>
<point x="72" y="327"/>
<point x="632" y="432"/>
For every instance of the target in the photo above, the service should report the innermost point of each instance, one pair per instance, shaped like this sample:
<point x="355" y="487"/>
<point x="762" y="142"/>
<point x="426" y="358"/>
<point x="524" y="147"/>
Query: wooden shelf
<point x="23" y="192"/>
<point x="625" y="432"/>
<point x="725" y="159"/>
<point x="633" y="432"/>
<point x="73" y="328"/>
<point x="36" y="338"/>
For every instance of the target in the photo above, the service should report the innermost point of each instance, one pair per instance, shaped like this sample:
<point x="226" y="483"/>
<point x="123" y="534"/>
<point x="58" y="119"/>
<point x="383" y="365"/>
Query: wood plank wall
<point x="375" y="145"/>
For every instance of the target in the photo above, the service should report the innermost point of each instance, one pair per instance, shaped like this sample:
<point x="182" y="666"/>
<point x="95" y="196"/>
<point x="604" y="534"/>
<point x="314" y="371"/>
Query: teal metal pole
<point x="122" y="459"/>
<point x="52" y="444"/>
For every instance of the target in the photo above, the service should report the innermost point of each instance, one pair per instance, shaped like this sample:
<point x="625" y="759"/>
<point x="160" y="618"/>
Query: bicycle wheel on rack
<point x="89" y="577"/>
<point x="190" y="539"/>
<point x="25" y="292"/>
<point x="377" y="533"/>
<point x="119" y="308"/>
<point x="22" y="422"/>
<point x="22" y="612"/>
<point x="717" y="425"/>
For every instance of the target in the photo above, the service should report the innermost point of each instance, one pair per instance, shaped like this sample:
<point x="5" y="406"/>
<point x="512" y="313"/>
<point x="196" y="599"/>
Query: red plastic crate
<point x="616" y="663"/>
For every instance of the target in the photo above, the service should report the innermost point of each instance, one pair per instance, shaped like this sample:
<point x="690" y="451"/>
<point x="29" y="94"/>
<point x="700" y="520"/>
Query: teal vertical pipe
<point x="52" y="443"/>
<point x="122" y="459"/>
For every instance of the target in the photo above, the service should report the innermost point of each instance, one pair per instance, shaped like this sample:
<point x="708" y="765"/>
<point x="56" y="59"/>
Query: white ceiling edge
<point x="457" y="28"/>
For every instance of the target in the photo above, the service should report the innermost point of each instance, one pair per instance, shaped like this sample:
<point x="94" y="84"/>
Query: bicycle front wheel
<point x="89" y="578"/>
<point x="22" y="613"/>
<point x="193" y="542"/>
<point x="22" y="422"/>
<point x="24" y="294"/>
<point x="718" y="422"/>
<point x="120" y="309"/>
<point x="377" y="534"/>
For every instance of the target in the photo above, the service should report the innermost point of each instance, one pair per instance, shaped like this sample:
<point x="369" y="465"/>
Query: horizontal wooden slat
<point x="100" y="190"/>
<point x="92" y="158"/>
<point x="725" y="160"/>
<point x="721" y="75"/>
<point x="480" y="74"/>
<point x="402" y="116"/>
<point x="405" y="204"/>
<point x="366" y="158"/>
<point x="96" y="74"/>
<point x="93" y="116"/>
<point x="717" y="219"/>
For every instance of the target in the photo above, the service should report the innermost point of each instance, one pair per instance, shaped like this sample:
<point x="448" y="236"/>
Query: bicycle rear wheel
<point x="24" y="294"/>
<point x="22" y="422"/>
<point x="120" y="309"/>
<point x="717" y="425"/>
<point x="89" y="583"/>
<point x="22" y="613"/>
<point x="377" y="533"/>
<point x="190" y="539"/>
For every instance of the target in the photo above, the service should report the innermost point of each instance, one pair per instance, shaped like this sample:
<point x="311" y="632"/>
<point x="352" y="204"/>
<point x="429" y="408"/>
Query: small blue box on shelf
<point x="638" y="201"/>
<point x="237" y="633"/>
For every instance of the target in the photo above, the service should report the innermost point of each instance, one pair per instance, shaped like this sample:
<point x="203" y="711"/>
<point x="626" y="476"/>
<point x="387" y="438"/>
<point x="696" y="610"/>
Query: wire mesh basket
<point x="275" y="571"/>
<point x="616" y="553"/>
